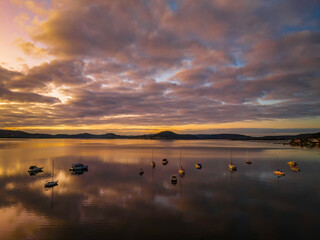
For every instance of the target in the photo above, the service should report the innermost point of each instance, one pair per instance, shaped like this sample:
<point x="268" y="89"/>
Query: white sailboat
<point x="52" y="183"/>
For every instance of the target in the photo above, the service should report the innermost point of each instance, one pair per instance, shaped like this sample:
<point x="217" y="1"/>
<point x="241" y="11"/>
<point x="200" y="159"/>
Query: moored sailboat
<point x="232" y="167"/>
<point x="51" y="183"/>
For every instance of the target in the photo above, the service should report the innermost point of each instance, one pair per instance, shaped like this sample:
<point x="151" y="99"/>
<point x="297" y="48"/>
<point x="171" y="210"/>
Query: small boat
<point x="181" y="169"/>
<point x="279" y="173"/>
<point x="198" y="166"/>
<point x="140" y="172"/>
<point x="33" y="169"/>
<point x="153" y="164"/>
<point x="248" y="161"/>
<point x="174" y="179"/>
<point x="164" y="161"/>
<point x="78" y="167"/>
<point x="51" y="183"/>
<point x="292" y="163"/>
<point x="294" y="168"/>
<point x="232" y="167"/>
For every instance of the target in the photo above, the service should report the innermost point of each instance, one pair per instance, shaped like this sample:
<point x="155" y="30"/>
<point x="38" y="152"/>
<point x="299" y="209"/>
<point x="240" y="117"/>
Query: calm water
<point x="111" y="201"/>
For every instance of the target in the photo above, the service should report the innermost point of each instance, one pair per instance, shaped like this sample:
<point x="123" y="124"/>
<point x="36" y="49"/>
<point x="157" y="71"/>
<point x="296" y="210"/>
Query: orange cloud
<point x="30" y="49"/>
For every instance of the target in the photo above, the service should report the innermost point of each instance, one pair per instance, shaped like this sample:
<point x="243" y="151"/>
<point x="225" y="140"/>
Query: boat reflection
<point x="78" y="172"/>
<point x="34" y="173"/>
<point x="34" y="170"/>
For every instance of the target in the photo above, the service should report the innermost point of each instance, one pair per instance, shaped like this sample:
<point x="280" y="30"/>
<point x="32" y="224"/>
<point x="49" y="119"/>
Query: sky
<point x="245" y="66"/>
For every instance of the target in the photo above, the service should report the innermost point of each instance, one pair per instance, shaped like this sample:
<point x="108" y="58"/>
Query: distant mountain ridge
<point x="161" y="135"/>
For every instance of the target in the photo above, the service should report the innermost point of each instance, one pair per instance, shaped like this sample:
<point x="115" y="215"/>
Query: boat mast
<point x="52" y="170"/>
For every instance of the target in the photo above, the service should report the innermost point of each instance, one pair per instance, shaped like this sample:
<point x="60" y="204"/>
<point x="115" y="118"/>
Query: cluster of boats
<point x="79" y="168"/>
<point x="232" y="168"/>
<point x="76" y="169"/>
<point x="293" y="167"/>
<point x="164" y="162"/>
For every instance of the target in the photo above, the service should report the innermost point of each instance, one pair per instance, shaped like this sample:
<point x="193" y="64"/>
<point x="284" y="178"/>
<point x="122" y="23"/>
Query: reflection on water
<point x="112" y="201"/>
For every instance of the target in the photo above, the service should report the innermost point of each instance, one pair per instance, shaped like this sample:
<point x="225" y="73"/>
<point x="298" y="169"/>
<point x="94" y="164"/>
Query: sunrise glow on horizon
<point x="145" y="66"/>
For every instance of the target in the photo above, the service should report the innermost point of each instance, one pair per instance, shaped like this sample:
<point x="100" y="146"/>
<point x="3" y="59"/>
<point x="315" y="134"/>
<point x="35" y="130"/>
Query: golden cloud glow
<point x="132" y="129"/>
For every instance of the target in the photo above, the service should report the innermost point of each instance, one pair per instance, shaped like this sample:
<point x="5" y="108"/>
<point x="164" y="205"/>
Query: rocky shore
<point x="309" y="141"/>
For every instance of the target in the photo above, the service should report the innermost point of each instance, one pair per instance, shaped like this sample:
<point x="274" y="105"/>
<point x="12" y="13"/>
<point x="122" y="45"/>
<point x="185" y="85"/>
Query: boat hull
<point x="279" y="173"/>
<point x="51" y="184"/>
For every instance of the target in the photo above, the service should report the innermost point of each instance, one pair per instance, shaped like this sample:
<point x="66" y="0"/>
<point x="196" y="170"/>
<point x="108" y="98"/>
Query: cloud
<point x="30" y="49"/>
<point x="36" y="6"/>
<point x="141" y="63"/>
<point x="56" y="72"/>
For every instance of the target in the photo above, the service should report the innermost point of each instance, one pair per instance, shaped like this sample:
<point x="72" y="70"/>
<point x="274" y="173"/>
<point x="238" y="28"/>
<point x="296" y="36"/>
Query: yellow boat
<point x="294" y="168"/>
<point x="181" y="171"/>
<point x="292" y="163"/>
<point x="279" y="173"/>
<point x="232" y="167"/>
<point x="198" y="166"/>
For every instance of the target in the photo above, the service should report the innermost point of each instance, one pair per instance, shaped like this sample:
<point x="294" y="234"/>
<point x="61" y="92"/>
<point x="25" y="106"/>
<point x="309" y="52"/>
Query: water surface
<point x="111" y="201"/>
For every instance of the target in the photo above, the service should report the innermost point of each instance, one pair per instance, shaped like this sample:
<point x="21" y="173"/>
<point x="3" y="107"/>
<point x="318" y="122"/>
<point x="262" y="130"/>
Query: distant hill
<point x="21" y="134"/>
<point x="161" y="135"/>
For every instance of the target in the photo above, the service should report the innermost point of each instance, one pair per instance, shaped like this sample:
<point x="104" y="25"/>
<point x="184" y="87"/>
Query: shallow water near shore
<point x="111" y="201"/>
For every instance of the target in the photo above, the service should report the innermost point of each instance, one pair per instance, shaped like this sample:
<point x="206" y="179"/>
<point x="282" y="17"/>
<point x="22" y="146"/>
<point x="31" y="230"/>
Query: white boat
<point x="33" y="169"/>
<point x="78" y="167"/>
<point x="51" y="183"/>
